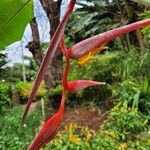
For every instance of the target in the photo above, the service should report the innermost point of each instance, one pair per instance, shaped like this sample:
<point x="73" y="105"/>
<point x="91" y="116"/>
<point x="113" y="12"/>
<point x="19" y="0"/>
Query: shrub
<point x="5" y="96"/>
<point x="126" y="121"/>
<point x="146" y="30"/>
<point x="123" y="130"/>
<point x="105" y="69"/>
<point x="10" y="137"/>
<point x="24" y="89"/>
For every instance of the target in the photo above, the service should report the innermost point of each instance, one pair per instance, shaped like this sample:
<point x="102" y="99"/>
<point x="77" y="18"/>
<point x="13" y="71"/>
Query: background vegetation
<point x="126" y="96"/>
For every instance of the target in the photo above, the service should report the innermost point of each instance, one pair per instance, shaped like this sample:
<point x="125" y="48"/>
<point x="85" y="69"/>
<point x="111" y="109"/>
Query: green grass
<point x="10" y="137"/>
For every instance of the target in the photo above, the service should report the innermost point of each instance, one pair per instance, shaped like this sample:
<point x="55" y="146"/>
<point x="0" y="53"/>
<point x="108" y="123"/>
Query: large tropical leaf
<point x="93" y="18"/>
<point x="14" y="17"/>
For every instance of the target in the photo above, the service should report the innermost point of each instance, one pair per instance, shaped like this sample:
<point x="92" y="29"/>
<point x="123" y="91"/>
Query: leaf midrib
<point x="14" y="15"/>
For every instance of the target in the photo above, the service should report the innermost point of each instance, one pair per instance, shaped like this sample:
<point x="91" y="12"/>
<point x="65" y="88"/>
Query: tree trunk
<point x="15" y="96"/>
<point x="131" y="15"/>
<point x="34" y="46"/>
<point x="54" y="72"/>
<point x="52" y="10"/>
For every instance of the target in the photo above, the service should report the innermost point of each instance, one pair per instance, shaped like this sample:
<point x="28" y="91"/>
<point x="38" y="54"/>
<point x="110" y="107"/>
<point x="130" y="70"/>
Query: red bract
<point x="49" y="129"/>
<point x="49" y="56"/>
<point x="78" y="85"/>
<point x="85" y="46"/>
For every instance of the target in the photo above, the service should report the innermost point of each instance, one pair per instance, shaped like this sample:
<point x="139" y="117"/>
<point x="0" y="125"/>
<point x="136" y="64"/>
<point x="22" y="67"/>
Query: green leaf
<point x="83" y="21"/>
<point x="14" y="17"/>
<point x="144" y="2"/>
<point x="136" y="99"/>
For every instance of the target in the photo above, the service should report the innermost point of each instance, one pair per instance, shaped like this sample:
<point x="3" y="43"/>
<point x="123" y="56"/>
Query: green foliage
<point x="14" y="16"/>
<point x="3" y="60"/>
<point x="104" y="69"/>
<point x="24" y="89"/>
<point x="71" y="139"/>
<point x="126" y="74"/>
<point x="91" y="18"/>
<point x="144" y="15"/>
<point x="127" y="122"/>
<point x="12" y="76"/>
<point x="128" y="82"/>
<point x="129" y="65"/>
<point x="133" y="88"/>
<point x="54" y="97"/>
<point x="5" y="96"/>
<point x="55" y="91"/>
<point x="31" y="68"/>
<point x="10" y="137"/>
<point x="144" y="2"/>
<point x="146" y="30"/>
<point x="122" y="130"/>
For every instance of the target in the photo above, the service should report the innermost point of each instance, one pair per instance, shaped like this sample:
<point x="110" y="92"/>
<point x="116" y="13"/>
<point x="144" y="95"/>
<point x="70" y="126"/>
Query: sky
<point x="17" y="49"/>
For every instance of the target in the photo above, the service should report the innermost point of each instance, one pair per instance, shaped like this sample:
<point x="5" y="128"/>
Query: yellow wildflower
<point x="113" y="74"/>
<point x="115" y="108"/>
<point x="72" y="138"/>
<point x="145" y="122"/>
<point x="113" y="134"/>
<point x="88" y="136"/>
<point x="137" y="143"/>
<point x="123" y="146"/>
<point x="148" y="141"/>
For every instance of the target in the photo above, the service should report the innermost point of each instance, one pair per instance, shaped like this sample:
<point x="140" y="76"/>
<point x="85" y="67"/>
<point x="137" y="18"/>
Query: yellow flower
<point x="145" y="122"/>
<point x="115" y="108"/>
<point x="113" y="74"/>
<point x="148" y="141"/>
<point x="72" y="138"/>
<point x="87" y="57"/>
<point x="74" y="125"/>
<point x="123" y="146"/>
<point x="113" y="134"/>
<point x="129" y="109"/>
<point x="137" y="143"/>
<point x="76" y="140"/>
<point x="88" y="136"/>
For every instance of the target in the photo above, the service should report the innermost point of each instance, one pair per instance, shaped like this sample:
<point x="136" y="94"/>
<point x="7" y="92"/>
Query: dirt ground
<point x="85" y="117"/>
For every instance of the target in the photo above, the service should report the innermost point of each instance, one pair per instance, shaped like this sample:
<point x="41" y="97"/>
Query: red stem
<point x="65" y="75"/>
<point x="48" y="57"/>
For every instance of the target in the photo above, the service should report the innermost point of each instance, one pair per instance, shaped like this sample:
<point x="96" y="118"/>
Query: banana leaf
<point x="14" y="17"/>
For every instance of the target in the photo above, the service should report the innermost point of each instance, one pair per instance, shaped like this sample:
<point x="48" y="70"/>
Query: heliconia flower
<point x="80" y="49"/>
<point x="87" y="57"/>
<point x="77" y="85"/>
<point x="49" y="56"/>
<point x="49" y="129"/>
